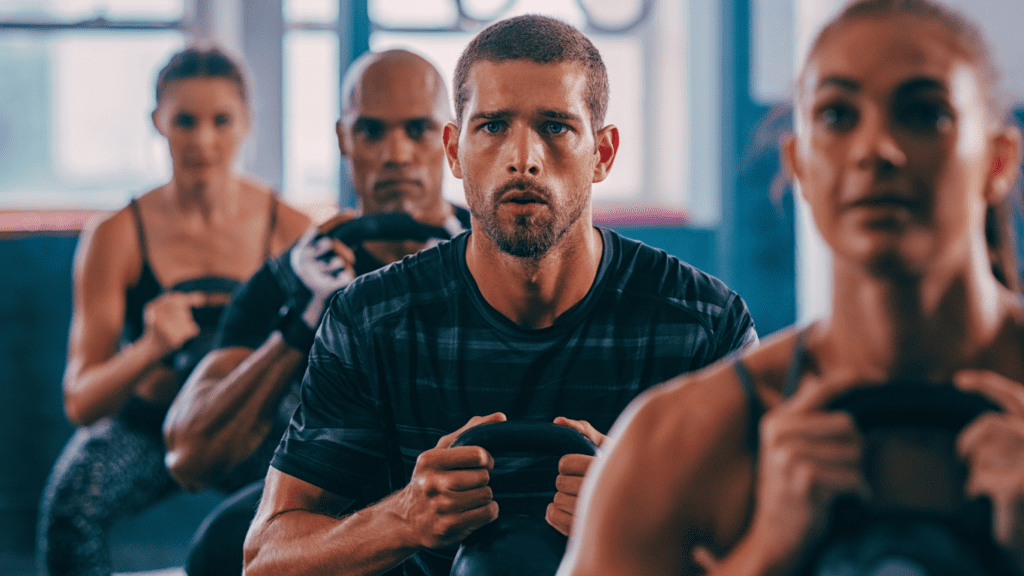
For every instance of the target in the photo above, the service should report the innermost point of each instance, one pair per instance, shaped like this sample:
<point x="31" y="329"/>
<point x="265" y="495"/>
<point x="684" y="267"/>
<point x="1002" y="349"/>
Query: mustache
<point x="523" y="185"/>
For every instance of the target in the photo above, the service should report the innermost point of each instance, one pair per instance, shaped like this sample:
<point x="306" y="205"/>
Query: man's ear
<point x="450" y="137"/>
<point x="607" y="146"/>
<point x="1005" y="167"/>
<point x="343" y="144"/>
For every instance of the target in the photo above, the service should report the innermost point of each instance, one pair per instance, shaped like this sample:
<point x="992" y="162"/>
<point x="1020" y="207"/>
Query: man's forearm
<point x="300" y="542"/>
<point x="225" y="410"/>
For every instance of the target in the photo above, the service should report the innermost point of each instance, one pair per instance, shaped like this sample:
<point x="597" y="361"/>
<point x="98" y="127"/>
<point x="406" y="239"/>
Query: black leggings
<point x="107" y="470"/>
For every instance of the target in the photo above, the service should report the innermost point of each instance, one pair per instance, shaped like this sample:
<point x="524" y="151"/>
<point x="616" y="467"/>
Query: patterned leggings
<point x="108" y="470"/>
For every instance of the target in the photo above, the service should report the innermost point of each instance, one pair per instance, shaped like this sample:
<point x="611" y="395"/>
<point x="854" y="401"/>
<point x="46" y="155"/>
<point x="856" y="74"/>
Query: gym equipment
<point x="516" y="544"/>
<point x="185" y="359"/>
<point x="918" y="521"/>
<point x="386" y="226"/>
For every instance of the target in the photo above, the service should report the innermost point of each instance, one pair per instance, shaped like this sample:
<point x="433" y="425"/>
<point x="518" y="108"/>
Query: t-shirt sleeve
<point x="736" y="327"/>
<point x="335" y="440"/>
<point x="253" y="313"/>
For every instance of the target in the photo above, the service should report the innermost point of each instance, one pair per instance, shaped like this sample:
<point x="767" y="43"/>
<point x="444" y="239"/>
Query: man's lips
<point x="395" y="183"/>
<point x="524" y="198"/>
<point x="519" y="192"/>
<point x="886" y="200"/>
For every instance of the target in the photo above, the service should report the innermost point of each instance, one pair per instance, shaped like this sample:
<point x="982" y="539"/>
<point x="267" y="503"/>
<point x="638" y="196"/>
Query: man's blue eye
<point x="222" y="120"/>
<point x="555" y="128"/>
<point x="492" y="127"/>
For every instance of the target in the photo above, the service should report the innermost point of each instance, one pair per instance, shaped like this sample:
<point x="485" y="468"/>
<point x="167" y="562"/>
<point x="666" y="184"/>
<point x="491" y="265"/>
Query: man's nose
<point x="399" y="147"/>
<point x="525" y="150"/>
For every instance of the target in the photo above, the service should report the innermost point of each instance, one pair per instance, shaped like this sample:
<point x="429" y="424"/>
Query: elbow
<point x="187" y="468"/>
<point x="77" y="410"/>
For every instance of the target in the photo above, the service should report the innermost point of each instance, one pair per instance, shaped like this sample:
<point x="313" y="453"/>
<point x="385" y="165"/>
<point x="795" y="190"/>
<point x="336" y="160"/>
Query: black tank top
<point x="755" y="405"/>
<point x="207" y="317"/>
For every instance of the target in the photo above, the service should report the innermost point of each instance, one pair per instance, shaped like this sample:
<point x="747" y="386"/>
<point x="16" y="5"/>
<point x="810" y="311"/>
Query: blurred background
<point x="699" y="89"/>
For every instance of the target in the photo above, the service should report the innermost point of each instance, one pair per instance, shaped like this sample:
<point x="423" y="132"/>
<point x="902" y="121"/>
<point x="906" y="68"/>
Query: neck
<point x="929" y="327"/>
<point x="533" y="293"/>
<point x="209" y="197"/>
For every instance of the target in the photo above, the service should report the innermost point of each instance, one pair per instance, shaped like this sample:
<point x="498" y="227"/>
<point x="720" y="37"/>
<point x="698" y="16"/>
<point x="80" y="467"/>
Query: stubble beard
<point x="527" y="236"/>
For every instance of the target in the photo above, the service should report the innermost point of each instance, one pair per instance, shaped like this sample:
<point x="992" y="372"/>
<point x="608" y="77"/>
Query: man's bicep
<point x="283" y="492"/>
<point x="737" y="328"/>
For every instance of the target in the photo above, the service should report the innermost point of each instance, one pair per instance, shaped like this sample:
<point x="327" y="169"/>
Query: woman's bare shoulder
<point x="710" y="402"/>
<point x="289" y="221"/>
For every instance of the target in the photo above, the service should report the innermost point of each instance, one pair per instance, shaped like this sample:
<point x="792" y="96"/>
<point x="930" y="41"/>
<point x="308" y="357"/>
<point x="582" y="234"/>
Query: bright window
<point x="311" y="107"/>
<point x="75" y="128"/>
<point x="73" y="10"/>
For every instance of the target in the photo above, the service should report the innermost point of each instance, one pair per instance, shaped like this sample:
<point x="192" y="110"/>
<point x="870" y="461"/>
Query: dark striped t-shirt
<point x="411" y="352"/>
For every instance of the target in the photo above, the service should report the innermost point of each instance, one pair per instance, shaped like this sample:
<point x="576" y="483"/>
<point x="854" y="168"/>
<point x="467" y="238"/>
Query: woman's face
<point x="895" y="149"/>
<point x="204" y="120"/>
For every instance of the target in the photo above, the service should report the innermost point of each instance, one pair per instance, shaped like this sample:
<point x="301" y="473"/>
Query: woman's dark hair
<point x="965" y="31"/>
<point x="201" y="62"/>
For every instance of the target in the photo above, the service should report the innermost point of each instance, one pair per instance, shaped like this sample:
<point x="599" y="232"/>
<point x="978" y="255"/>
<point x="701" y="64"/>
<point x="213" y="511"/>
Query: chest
<point x="455" y="366"/>
<point x="177" y="253"/>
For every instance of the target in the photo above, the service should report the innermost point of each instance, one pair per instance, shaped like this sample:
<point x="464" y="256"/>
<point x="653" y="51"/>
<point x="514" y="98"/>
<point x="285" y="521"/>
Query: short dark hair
<point x="543" y="40"/>
<point x="969" y="38"/>
<point x="200" y="62"/>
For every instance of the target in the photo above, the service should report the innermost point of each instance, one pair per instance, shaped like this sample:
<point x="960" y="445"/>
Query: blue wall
<point x="35" y="308"/>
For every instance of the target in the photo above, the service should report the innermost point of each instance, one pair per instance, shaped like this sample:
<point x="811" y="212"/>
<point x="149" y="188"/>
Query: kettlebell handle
<point x="902" y="403"/>
<point x="532" y="437"/>
<point x="386" y="226"/>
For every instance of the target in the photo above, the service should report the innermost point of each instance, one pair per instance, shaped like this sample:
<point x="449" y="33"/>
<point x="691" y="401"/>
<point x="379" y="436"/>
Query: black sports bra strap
<point x="140" y="231"/>
<point x="796" y="364"/>
<point x="754" y="405"/>
<point x="271" y="224"/>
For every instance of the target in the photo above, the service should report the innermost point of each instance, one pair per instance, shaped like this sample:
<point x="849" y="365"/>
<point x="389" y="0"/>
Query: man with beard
<point x="533" y="315"/>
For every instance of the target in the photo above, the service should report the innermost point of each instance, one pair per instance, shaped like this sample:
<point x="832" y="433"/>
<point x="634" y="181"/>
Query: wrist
<point x="407" y="535"/>
<point x="154" y="349"/>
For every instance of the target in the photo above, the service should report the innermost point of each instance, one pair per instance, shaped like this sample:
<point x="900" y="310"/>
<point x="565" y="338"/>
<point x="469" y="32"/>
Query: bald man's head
<point x="372" y="64"/>
<point x="394" y="105"/>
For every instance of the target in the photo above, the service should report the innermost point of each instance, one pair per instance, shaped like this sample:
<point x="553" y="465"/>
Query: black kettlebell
<point x="517" y="544"/>
<point x="918" y="521"/>
<point x="184" y="359"/>
<point x="386" y="226"/>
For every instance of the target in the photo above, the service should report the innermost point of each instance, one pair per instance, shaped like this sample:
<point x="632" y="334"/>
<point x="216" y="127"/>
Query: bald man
<point x="232" y="410"/>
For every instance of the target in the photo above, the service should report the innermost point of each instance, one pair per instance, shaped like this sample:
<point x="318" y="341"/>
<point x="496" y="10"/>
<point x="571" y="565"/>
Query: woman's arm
<point x="99" y="378"/>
